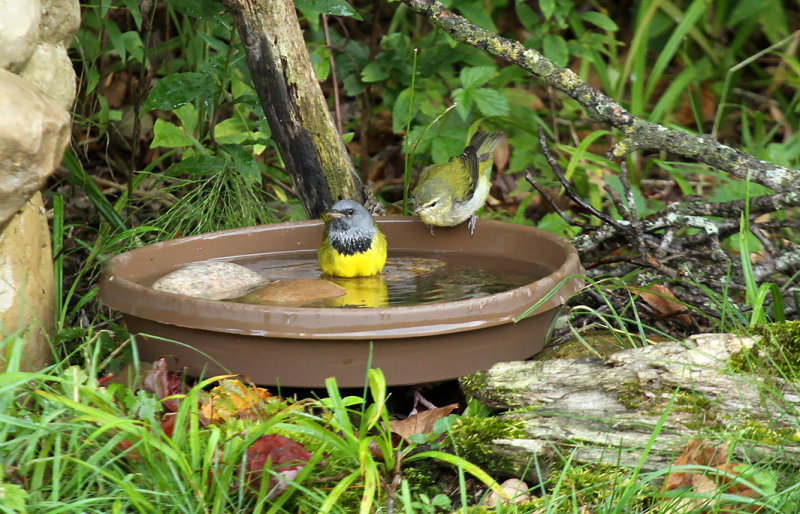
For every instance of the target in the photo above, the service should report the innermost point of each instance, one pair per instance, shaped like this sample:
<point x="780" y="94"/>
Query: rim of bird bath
<point x="302" y="346"/>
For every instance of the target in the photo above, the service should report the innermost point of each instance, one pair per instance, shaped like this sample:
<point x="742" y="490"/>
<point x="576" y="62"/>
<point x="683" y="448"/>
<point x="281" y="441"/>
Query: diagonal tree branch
<point x="638" y="134"/>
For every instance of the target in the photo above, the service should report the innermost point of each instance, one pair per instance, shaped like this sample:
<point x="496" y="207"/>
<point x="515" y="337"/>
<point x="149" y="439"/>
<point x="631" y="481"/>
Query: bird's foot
<point x="473" y="220"/>
<point x="420" y="400"/>
<point x="430" y="227"/>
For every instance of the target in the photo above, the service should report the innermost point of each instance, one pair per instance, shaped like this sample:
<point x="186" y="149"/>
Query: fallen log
<point x="658" y="397"/>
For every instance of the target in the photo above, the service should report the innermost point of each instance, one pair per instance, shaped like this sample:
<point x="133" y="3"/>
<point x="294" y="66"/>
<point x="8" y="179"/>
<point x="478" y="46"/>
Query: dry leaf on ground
<point x="421" y="422"/>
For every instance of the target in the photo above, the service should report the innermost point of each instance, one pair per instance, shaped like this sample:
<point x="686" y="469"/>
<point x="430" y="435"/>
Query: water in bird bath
<point x="407" y="279"/>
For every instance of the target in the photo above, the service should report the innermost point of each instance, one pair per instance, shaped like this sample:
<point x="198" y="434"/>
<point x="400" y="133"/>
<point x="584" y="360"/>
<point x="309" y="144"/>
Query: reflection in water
<point x="408" y="280"/>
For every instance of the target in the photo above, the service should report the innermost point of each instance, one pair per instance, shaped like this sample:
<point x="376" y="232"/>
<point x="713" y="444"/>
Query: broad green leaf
<point x="231" y="131"/>
<point x="374" y="72"/>
<point x="332" y="7"/>
<point x="490" y="102"/>
<point x="400" y="110"/>
<point x="477" y="13"/>
<point x="599" y="19"/>
<point x="169" y="135"/>
<point x="548" y="7"/>
<point x="463" y="99"/>
<point x="476" y="76"/>
<point x="321" y="62"/>
<point x="527" y="16"/>
<point x="187" y="114"/>
<point x="555" y="49"/>
<point x="179" y="89"/>
<point x="198" y="165"/>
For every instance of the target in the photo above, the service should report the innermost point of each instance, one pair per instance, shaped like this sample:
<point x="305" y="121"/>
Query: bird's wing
<point x="469" y="164"/>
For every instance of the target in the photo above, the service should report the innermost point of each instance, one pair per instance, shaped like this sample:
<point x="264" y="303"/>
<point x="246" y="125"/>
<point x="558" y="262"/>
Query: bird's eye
<point x="350" y="212"/>
<point x="433" y="203"/>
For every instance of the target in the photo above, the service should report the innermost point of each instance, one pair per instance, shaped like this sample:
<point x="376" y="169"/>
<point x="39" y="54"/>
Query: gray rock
<point x="19" y="31"/>
<point x="34" y="130"/>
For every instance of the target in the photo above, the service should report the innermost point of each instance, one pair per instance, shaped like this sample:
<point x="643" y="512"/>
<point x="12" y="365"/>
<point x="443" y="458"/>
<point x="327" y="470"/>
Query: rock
<point x="211" y="280"/>
<point x="517" y="490"/>
<point x="26" y="285"/>
<point x="60" y="21"/>
<point x="50" y="69"/>
<point x="295" y="292"/>
<point x="19" y="32"/>
<point x="34" y="130"/>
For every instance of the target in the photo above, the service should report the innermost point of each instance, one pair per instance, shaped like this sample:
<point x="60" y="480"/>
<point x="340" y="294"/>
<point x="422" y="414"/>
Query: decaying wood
<point x="607" y="410"/>
<point x="293" y="103"/>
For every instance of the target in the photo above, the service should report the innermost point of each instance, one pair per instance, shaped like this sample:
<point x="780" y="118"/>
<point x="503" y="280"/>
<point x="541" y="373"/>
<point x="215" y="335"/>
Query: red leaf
<point x="281" y="454"/>
<point x="164" y="383"/>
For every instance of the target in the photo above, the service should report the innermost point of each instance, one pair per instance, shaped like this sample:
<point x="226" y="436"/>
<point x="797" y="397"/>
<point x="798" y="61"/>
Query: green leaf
<point x="463" y="99"/>
<point x="201" y="9"/>
<point x="555" y="49"/>
<point x="245" y="163"/>
<point x="477" y="13"/>
<point x="179" y="89"/>
<point x="476" y="76"/>
<point x="527" y="16"/>
<point x="548" y="7"/>
<point x="197" y="165"/>
<point x="599" y="19"/>
<point x="78" y="176"/>
<point x="321" y="62"/>
<point x="332" y="7"/>
<point x="115" y="36"/>
<point x="169" y="135"/>
<point x="400" y="110"/>
<point x="231" y="131"/>
<point x="490" y="102"/>
<point x="187" y="114"/>
<point x="374" y="72"/>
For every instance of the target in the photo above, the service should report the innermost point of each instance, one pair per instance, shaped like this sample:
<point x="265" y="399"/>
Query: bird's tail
<point x="485" y="143"/>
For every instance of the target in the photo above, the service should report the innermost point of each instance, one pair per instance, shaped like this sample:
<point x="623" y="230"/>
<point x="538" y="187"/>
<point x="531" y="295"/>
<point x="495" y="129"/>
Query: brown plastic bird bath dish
<point x="302" y="346"/>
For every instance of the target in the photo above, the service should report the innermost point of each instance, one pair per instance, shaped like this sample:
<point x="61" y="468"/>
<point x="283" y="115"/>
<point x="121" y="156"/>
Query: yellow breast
<point x="361" y="264"/>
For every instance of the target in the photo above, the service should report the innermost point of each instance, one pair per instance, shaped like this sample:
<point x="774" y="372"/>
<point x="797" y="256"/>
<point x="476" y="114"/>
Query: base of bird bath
<point x="302" y="346"/>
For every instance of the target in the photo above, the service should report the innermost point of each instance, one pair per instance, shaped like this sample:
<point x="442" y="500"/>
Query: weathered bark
<point x="607" y="411"/>
<point x="301" y="124"/>
<point x="638" y="134"/>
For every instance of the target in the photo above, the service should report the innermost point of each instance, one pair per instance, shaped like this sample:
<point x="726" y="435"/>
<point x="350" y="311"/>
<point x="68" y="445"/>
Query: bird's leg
<point x="473" y="220"/>
<point x="420" y="400"/>
<point x="430" y="227"/>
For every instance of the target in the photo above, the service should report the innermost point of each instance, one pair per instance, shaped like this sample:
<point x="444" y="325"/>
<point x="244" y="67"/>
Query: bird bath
<point x="302" y="346"/>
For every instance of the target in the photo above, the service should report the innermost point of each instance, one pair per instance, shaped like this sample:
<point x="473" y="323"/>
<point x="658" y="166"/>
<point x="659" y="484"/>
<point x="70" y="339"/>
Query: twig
<point x="570" y="220"/>
<point x="568" y="190"/>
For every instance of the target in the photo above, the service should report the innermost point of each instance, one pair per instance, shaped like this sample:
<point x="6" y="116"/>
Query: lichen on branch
<point x="637" y="134"/>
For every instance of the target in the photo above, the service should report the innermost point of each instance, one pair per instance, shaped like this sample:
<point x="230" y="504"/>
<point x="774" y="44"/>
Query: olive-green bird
<point x="352" y="245"/>
<point x="449" y="193"/>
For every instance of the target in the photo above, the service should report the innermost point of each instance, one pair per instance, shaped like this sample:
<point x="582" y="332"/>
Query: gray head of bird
<point x="434" y="196"/>
<point x="349" y="219"/>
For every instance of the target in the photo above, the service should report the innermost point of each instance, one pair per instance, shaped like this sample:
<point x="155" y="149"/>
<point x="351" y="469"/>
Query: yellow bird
<point x="352" y="245"/>
<point x="449" y="193"/>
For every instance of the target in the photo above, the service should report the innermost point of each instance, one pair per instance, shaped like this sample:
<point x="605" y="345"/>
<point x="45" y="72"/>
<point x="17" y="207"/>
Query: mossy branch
<point x="638" y="134"/>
